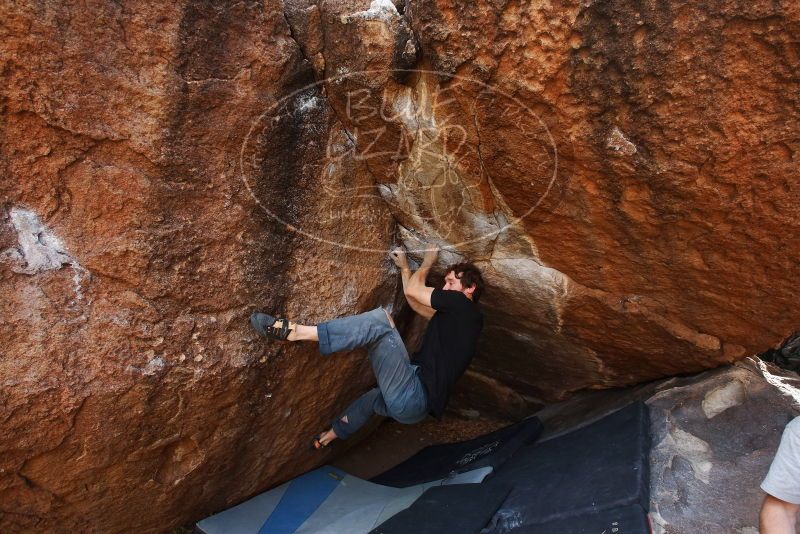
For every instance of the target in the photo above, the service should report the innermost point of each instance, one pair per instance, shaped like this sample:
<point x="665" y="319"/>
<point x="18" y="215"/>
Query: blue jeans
<point x="400" y="393"/>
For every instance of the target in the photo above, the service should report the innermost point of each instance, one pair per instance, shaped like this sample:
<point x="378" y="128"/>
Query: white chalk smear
<point x="383" y="10"/>
<point x="39" y="250"/>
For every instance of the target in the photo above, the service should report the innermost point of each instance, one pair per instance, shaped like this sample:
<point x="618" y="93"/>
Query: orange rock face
<point x="145" y="214"/>
<point x="625" y="175"/>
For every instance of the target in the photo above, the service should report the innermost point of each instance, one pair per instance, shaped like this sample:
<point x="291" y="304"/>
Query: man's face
<point x="453" y="283"/>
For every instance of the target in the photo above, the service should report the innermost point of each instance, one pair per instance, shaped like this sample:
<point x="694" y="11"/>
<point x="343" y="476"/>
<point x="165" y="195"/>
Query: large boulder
<point x="623" y="174"/>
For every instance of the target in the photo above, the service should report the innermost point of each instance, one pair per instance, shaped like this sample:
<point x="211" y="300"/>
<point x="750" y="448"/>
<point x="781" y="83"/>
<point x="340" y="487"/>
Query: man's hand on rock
<point x="398" y="256"/>
<point x="431" y="253"/>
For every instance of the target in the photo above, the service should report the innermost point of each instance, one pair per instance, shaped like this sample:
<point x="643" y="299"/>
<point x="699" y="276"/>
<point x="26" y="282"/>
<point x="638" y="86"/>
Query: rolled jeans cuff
<point x="339" y="430"/>
<point x="324" y="339"/>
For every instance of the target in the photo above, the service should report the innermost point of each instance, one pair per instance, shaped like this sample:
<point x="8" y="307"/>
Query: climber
<point x="408" y="388"/>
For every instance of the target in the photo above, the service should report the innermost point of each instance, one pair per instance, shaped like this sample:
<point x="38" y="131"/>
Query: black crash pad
<point x="600" y="467"/>
<point x="439" y="461"/>
<point x="456" y="509"/>
<point x="626" y="520"/>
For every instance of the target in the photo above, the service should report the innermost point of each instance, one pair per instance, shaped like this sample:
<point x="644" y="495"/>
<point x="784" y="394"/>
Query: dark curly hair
<point x="469" y="275"/>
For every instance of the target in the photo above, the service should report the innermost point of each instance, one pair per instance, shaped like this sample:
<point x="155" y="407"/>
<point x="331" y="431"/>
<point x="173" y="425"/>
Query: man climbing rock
<point x="407" y="389"/>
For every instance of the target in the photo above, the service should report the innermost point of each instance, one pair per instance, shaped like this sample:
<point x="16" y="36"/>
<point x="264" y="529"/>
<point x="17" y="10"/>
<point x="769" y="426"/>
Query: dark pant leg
<point x="358" y="413"/>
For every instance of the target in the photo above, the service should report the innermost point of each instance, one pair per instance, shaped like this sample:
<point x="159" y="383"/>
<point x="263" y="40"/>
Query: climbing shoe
<point x="265" y="325"/>
<point x="316" y="442"/>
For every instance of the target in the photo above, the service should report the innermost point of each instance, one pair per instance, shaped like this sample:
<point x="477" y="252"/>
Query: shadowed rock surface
<point x="624" y="174"/>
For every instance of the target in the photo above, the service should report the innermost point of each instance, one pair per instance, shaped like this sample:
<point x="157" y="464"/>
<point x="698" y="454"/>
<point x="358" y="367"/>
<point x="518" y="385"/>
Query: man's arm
<point x="425" y="311"/>
<point x="416" y="284"/>
<point x="777" y="516"/>
<point x="398" y="256"/>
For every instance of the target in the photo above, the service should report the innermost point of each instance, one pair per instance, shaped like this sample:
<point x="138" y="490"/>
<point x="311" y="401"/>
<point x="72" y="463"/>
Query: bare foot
<point x="324" y="439"/>
<point x="292" y="329"/>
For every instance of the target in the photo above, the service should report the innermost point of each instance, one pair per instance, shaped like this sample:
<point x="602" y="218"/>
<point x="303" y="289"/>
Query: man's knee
<point x="376" y="316"/>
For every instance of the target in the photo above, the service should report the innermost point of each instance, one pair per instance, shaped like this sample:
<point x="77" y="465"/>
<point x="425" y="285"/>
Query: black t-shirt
<point x="448" y="345"/>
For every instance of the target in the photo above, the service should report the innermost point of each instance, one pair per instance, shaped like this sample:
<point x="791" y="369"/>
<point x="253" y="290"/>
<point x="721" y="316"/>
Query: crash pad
<point x="324" y="500"/>
<point x="438" y="461"/>
<point x="599" y="467"/>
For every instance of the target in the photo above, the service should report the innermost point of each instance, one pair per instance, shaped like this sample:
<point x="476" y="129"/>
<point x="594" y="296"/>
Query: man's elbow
<point x="777" y="516"/>
<point x="409" y="298"/>
<point x="411" y="293"/>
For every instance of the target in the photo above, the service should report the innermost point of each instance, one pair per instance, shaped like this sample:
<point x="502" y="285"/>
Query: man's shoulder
<point x="449" y="300"/>
<point x="792" y="429"/>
